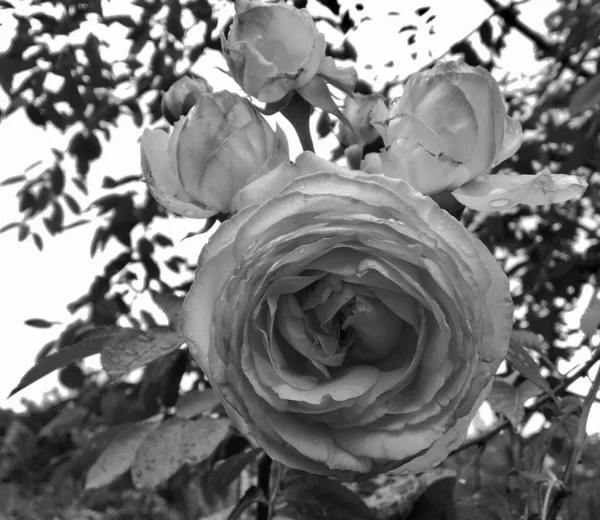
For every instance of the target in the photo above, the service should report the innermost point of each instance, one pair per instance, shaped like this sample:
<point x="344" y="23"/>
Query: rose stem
<point x="264" y="477"/>
<point x="297" y="112"/>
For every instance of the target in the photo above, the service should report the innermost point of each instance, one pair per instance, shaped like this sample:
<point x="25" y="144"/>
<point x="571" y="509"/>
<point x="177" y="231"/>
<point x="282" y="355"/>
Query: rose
<point x="350" y="325"/>
<point x="182" y="96"/>
<point x="274" y="49"/>
<point x="448" y="130"/>
<point x="454" y="113"/>
<point x="223" y="145"/>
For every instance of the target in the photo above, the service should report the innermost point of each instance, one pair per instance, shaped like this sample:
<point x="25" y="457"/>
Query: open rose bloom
<point x="350" y="325"/>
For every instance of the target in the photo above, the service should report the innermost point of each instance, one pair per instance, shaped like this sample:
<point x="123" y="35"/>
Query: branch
<point x="557" y="390"/>
<point x="510" y="16"/>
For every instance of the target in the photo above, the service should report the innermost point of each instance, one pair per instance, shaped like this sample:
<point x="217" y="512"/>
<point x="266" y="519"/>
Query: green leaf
<point x="503" y="400"/>
<point x="486" y="34"/>
<point x="67" y="419"/>
<point x="39" y="323"/>
<point x="72" y="204"/>
<point x="252" y="496"/>
<point x="196" y="402"/>
<point x="174" y="443"/>
<point x="309" y="497"/>
<point x="24" y="231"/>
<point x="509" y="401"/>
<point x="522" y="361"/>
<point x="590" y="319"/>
<point x="170" y="305"/>
<point x="119" y="455"/>
<point x="136" y="351"/>
<point x="436" y="502"/>
<point x="88" y="346"/>
<point x="586" y="96"/>
<point x="13" y="180"/>
<point x="201" y="437"/>
<point x="37" y="240"/>
<point x="226" y="471"/>
<point x="57" y="180"/>
<point x="7" y="227"/>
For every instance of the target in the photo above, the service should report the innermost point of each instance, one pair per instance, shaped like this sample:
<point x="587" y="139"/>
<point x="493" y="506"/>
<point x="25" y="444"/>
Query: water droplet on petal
<point x="499" y="203"/>
<point x="497" y="191"/>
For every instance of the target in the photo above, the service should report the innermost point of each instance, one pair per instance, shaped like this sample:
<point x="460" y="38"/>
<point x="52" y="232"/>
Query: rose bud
<point x="222" y="145"/>
<point x="446" y="132"/>
<point x="357" y="110"/>
<point x="273" y="49"/>
<point x="182" y="96"/>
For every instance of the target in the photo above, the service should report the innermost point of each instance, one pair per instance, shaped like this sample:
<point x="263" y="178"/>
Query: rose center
<point x="377" y="329"/>
<point x="332" y="321"/>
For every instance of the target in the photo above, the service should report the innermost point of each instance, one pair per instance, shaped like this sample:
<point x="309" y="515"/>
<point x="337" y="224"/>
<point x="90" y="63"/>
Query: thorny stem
<point x="558" y="390"/>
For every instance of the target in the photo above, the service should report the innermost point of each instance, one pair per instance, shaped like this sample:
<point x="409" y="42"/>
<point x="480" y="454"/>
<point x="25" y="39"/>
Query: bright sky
<point x="41" y="284"/>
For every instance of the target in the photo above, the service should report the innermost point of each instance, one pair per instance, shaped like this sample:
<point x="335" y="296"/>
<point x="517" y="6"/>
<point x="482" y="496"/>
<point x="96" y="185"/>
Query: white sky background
<point x="41" y="284"/>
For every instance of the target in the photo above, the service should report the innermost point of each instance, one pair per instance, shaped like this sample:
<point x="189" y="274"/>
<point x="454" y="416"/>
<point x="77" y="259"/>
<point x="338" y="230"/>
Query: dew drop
<point x="499" y="203"/>
<point x="301" y="250"/>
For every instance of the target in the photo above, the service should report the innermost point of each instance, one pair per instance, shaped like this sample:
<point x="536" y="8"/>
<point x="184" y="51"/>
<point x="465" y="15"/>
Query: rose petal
<point x="428" y="173"/>
<point x="513" y="137"/>
<point x="444" y="108"/>
<point x="163" y="181"/>
<point x="501" y="192"/>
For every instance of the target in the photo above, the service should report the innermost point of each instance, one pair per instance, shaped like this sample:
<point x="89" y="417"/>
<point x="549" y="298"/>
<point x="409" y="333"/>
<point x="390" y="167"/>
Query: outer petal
<point x="424" y="171"/>
<point x="228" y="169"/>
<point x="501" y="192"/>
<point x="485" y="98"/>
<point x="512" y="139"/>
<point x="445" y="109"/>
<point x="380" y="116"/>
<point x="163" y="181"/>
<point x="265" y="186"/>
<point x="250" y="69"/>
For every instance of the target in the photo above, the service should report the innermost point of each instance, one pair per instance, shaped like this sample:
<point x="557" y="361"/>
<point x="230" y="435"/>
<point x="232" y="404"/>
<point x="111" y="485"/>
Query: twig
<point x="510" y="16"/>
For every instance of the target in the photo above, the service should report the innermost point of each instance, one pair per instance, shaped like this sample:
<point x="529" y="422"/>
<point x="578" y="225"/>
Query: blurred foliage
<point x="551" y="254"/>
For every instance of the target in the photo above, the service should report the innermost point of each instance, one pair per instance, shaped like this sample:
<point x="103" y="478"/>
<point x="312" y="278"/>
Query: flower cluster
<point x="348" y="322"/>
